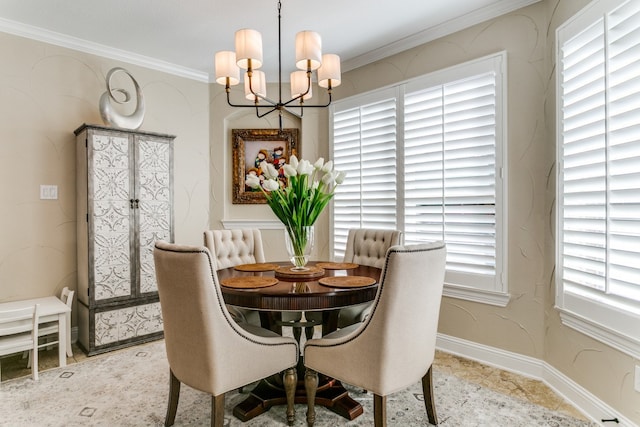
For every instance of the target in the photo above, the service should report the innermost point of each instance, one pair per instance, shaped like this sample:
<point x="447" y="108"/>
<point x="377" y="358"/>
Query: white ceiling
<point x="181" y="36"/>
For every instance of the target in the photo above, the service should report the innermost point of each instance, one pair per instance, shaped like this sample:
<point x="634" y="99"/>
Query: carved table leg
<point x="310" y="386"/>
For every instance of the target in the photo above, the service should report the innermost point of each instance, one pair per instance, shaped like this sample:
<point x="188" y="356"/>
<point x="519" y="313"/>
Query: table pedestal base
<point x="270" y="391"/>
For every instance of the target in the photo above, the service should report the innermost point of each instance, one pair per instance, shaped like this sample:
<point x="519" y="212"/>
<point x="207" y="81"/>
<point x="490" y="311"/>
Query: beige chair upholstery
<point x="206" y="348"/>
<point x="395" y="346"/>
<point x="19" y="332"/>
<point x="234" y="247"/>
<point x="366" y="246"/>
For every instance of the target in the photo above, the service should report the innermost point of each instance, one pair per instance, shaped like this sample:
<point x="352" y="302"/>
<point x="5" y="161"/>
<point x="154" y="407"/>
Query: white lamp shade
<point x="299" y="84"/>
<point x="226" y="68"/>
<point x="308" y="48"/>
<point x="258" y="84"/>
<point x="248" y="48"/>
<point x="329" y="71"/>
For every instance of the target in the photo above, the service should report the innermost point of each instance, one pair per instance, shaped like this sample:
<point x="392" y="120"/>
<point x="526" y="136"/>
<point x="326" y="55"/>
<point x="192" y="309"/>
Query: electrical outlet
<point x="637" y="381"/>
<point x="48" y="192"/>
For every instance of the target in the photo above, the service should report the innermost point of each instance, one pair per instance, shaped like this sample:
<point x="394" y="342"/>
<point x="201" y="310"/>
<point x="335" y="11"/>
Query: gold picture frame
<point x="252" y="146"/>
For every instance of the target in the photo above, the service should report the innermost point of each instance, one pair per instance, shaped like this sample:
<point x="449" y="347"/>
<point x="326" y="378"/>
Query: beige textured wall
<point x="46" y="92"/>
<point x="605" y="372"/>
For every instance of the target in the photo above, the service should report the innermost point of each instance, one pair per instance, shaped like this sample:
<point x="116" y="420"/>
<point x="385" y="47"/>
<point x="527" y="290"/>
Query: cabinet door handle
<point x="131" y="203"/>
<point x="137" y="203"/>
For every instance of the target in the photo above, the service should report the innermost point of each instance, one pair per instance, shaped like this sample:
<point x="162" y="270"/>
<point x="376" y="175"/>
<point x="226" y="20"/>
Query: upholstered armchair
<point x="395" y="346"/>
<point x="234" y="247"/>
<point x="366" y="246"/>
<point x="206" y="348"/>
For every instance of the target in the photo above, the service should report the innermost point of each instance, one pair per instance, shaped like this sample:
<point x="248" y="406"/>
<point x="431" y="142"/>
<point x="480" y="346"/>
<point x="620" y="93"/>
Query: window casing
<point x="598" y="134"/>
<point x="426" y="157"/>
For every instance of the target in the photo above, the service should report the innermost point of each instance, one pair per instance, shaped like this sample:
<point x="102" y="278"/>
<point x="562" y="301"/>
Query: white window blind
<point x="426" y="160"/>
<point x="599" y="175"/>
<point x="365" y="148"/>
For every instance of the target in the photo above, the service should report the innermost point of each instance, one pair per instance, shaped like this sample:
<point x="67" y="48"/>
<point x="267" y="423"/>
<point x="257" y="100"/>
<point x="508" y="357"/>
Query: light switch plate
<point x="636" y="384"/>
<point x="48" y="192"/>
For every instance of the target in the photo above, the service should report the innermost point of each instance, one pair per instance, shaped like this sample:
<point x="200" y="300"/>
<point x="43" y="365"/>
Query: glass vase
<point x="299" y="243"/>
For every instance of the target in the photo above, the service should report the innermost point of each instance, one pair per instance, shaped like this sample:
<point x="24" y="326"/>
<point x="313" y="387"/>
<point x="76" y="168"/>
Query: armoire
<point x="124" y="185"/>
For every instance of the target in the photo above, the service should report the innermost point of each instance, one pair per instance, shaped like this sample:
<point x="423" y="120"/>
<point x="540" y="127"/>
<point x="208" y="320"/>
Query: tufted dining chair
<point x="395" y="346"/>
<point x="366" y="246"/>
<point x="206" y="348"/>
<point x="234" y="247"/>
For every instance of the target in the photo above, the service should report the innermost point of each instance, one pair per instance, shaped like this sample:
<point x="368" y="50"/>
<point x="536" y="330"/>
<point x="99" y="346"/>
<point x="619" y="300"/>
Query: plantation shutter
<point x="450" y="192"/>
<point x="600" y="156"/>
<point x="364" y="146"/>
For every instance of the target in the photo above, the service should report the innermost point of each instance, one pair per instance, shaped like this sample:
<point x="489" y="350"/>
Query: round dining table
<point x="274" y="288"/>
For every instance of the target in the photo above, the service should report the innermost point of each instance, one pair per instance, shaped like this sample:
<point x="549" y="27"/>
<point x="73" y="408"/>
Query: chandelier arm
<point x="245" y="105"/>
<point x="311" y="105"/>
<point x="286" y="110"/>
<point x="258" y="115"/>
<point x="270" y="101"/>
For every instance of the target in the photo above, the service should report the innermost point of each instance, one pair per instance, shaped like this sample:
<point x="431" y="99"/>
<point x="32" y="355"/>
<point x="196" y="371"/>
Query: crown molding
<point x="435" y="32"/>
<point x="74" y="43"/>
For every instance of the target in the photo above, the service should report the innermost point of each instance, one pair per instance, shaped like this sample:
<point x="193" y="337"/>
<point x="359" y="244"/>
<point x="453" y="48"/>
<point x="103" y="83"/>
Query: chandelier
<point x="248" y="56"/>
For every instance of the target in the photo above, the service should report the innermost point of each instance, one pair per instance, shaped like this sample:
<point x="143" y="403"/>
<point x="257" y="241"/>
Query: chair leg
<point x="379" y="411"/>
<point x="290" y="382"/>
<point x="34" y="363"/>
<point x="174" y="396"/>
<point x="429" y="401"/>
<point x="217" y="410"/>
<point x="311" y="386"/>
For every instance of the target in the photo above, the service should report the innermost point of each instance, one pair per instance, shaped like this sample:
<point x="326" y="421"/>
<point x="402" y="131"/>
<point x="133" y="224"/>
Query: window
<point x="425" y="157"/>
<point x="598" y="247"/>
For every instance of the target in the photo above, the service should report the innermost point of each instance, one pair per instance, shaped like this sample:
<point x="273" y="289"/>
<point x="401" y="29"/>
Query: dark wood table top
<point x="304" y="294"/>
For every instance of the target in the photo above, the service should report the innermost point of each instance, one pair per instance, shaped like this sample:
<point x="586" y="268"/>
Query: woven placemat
<point x="347" y="281"/>
<point x="337" y="265"/>
<point x="289" y="273"/>
<point x="260" y="266"/>
<point x="249" y="282"/>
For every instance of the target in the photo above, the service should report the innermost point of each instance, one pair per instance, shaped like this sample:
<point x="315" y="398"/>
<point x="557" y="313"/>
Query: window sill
<point x="499" y="299"/>
<point x="601" y="333"/>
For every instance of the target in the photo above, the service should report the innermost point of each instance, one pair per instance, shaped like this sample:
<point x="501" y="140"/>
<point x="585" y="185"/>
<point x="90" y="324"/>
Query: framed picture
<point x="251" y="147"/>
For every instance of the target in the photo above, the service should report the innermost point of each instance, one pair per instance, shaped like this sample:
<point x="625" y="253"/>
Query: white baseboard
<point x="593" y="408"/>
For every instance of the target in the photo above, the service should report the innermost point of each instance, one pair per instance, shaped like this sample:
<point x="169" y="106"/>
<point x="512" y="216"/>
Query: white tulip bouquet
<point x="299" y="203"/>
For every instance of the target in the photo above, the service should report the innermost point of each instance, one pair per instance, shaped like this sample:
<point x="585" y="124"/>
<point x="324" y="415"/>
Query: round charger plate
<point x="288" y="272"/>
<point x="249" y="282"/>
<point x="347" y="281"/>
<point x="337" y="265"/>
<point x="260" y="266"/>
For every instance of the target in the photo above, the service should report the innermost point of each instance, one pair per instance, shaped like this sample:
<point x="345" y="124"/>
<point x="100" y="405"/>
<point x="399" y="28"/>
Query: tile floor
<point x="500" y="381"/>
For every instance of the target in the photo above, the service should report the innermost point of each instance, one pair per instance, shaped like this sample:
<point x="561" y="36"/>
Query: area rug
<point x="130" y="388"/>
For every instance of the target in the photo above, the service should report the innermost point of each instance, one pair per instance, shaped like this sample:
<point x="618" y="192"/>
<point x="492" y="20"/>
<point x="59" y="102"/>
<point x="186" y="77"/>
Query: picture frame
<point x="252" y="146"/>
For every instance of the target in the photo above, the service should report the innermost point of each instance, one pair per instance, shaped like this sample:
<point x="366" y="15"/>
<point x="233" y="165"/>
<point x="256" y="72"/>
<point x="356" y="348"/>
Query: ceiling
<point x="182" y="36"/>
